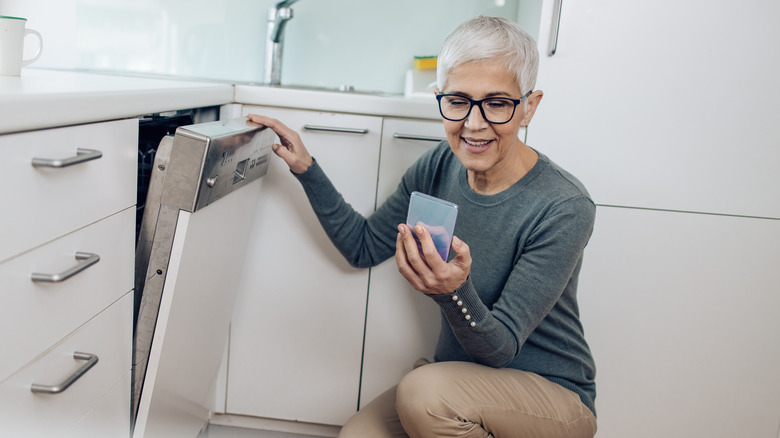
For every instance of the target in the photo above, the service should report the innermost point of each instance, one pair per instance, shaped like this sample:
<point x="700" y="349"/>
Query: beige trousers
<point x="458" y="399"/>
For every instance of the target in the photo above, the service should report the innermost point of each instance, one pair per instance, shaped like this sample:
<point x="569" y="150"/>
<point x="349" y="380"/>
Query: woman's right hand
<point x="426" y="271"/>
<point x="291" y="149"/>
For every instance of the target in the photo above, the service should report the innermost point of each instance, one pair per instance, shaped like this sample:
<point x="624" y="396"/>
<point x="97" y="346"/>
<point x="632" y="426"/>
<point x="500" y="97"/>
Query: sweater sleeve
<point x="363" y="242"/>
<point x="545" y="269"/>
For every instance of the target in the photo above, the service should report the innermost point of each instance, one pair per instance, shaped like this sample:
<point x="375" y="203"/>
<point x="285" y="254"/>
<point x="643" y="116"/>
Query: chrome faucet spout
<point x="278" y="16"/>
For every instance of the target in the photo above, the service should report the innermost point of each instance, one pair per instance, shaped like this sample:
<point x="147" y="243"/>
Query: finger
<point x="267" y="121"/>
<point x="430" y="253"/>
<point x="284" y="153"/>
<point x="291" y="148"/>
<point x="462" y="254"/>
<point x="409" y="246"/>
<point x="402" y="256"/>
<point x="286" y="135"/>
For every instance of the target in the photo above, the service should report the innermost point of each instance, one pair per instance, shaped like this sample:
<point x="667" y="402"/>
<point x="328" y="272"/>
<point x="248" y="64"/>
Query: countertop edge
<point x="43" y="99"/>
<point x="343" y="102"/>
<point x="48" y="111"/>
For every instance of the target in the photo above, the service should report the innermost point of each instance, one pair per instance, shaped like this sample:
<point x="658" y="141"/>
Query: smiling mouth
<point x="477" y="143"/>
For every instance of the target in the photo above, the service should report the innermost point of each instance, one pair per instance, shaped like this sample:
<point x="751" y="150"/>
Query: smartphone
<point x="437" y="216"/>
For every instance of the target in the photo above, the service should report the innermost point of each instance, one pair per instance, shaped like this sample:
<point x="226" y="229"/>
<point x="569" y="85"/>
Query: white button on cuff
<point x="473" y="324"/>
<point x="464" y="310"/>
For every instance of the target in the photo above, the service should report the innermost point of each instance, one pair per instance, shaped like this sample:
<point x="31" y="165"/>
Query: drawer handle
<point x="333" y="129"/>
<point x="416" y="137"/>
<point x="82" y="155"/>
<point x="86" y="260"/>
<point x="91" y="359"/>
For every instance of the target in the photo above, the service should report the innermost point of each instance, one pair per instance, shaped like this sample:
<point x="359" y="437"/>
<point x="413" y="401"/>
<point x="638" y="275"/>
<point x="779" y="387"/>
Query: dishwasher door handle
<point x="82" y="155"/>
<point x="85" y="259"/>
<point x="91" y="359"/>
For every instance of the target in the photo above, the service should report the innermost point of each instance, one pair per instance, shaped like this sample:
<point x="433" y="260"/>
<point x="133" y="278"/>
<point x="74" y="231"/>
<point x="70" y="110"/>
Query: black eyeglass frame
<point x="478" y="103"/>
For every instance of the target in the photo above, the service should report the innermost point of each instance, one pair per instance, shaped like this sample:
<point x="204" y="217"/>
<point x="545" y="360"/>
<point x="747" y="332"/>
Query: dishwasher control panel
<point x="213" y="159"/>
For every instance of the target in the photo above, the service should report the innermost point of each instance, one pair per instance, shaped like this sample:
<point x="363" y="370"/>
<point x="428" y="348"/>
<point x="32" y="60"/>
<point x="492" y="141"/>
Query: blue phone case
<point x="437" y="216"/>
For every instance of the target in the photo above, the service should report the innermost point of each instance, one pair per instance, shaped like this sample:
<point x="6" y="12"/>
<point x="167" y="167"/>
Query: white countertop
<point x="47" y="98"/>
<point x="41" y="98"/>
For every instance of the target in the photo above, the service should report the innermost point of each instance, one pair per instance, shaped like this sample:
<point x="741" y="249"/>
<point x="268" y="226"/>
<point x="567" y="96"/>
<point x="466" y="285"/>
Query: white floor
<point x="215" y="431"/>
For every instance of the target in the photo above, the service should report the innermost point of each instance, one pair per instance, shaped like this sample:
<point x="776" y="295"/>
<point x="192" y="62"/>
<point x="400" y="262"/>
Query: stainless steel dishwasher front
<point x="203" y="195"/>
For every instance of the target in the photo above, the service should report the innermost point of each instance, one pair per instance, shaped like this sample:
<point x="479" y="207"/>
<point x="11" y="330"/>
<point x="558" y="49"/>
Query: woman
<point x="511" y="360"/>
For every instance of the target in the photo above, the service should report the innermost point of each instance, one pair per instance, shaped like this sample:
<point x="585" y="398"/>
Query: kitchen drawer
<point x="110" y="418"/>
<point x="43" y="203"/>
<point x="109" y="337"/>
<point x="36" y="315"/>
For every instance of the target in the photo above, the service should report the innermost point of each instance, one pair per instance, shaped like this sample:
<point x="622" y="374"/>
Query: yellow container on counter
<point x="425" y="62"/>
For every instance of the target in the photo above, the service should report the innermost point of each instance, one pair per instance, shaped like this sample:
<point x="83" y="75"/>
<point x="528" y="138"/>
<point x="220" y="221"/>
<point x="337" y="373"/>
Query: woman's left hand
<point x="424" y="269"/>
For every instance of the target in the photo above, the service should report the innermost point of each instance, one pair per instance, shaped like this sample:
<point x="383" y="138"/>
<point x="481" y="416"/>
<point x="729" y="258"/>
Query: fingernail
<point x="419" y="229"/>
<point x="401" y="229"/>
<point x="455" y="241"/>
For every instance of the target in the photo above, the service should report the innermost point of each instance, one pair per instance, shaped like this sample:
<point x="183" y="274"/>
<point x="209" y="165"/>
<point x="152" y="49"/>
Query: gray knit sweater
<point x="526" y="245"/>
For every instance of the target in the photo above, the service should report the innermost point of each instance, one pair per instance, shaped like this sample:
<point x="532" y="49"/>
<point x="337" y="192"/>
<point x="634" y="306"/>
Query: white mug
<point x="12" y="34"/>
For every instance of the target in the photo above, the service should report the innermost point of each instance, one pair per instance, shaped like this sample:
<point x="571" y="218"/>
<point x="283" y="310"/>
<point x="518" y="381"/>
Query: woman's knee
<point x="418" y="385"/>
<point x="419" y="395"/>
<point x="377" y="419"/>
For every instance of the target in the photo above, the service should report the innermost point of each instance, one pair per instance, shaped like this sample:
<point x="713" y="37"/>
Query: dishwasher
<point x="203" y="193"/>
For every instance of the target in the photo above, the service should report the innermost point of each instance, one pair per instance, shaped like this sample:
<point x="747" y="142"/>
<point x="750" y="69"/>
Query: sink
<point x="339" y="90"/>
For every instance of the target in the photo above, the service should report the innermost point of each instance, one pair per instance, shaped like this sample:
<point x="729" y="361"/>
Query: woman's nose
<point x="476" y="120"/>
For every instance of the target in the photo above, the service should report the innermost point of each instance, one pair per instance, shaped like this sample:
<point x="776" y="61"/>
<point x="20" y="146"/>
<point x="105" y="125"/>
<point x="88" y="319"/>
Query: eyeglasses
<point x="496" y="110"/>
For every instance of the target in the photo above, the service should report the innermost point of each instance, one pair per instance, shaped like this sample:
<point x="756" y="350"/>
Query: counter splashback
<point x="368" y="45"/>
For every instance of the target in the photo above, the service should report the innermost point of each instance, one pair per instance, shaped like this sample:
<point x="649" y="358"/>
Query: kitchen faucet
<point x="278" y="15"/>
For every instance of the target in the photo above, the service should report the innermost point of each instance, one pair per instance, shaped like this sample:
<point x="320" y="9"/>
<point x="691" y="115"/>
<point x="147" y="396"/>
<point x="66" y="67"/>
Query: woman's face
<point x="492" y="151"/>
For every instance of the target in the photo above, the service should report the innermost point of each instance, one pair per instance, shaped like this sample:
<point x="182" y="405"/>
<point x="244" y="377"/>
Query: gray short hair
<point x="486" y="39"/>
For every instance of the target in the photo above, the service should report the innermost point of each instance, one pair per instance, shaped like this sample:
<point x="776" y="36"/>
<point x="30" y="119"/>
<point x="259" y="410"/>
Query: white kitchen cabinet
<point x="402" y="325"/>
<point x="45" y="312"/>
<point x="66" y="270"/>
<point x="680" y="311"/>
<point x="672" y="106"/>
<point x="297" y="333"/>
<point x="665" y="104"/>
<point x="76" y="195"/>
<point x="108" y="337"/>
<point x="109" y="416"/>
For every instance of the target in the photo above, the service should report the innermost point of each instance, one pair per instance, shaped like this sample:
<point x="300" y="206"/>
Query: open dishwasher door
<point x="203" y="195"/>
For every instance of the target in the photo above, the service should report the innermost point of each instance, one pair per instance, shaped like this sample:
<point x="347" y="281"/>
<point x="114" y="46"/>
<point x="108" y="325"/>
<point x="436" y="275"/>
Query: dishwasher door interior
<point x="202" y="200"/>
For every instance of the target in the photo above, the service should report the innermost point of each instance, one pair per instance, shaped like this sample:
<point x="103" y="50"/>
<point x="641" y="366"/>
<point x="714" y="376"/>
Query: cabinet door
<point x="402" y="325"/>
<point x="680" y="311"/>
<point x="297" y="333"/>
<point x="665" y="104"/>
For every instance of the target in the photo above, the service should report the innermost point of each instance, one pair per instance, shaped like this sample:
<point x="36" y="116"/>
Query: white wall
<point x="368" y="44"/>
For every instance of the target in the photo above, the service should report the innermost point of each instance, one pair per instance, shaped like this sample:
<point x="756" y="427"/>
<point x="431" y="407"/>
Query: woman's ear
<point x="531" y="106"/>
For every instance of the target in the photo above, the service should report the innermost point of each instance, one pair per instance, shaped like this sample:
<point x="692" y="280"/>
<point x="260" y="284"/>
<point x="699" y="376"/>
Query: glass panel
<point x="365" y="44"/>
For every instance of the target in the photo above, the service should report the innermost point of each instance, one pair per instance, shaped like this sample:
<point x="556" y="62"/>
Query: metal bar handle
<point x="334" y="129"/>
<point x="416" y="137"/>
<point x="556" y="24"/>
<point x="82" y="155"/>
<point x="91" y="359"/>
<point x="86" y="260"/>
